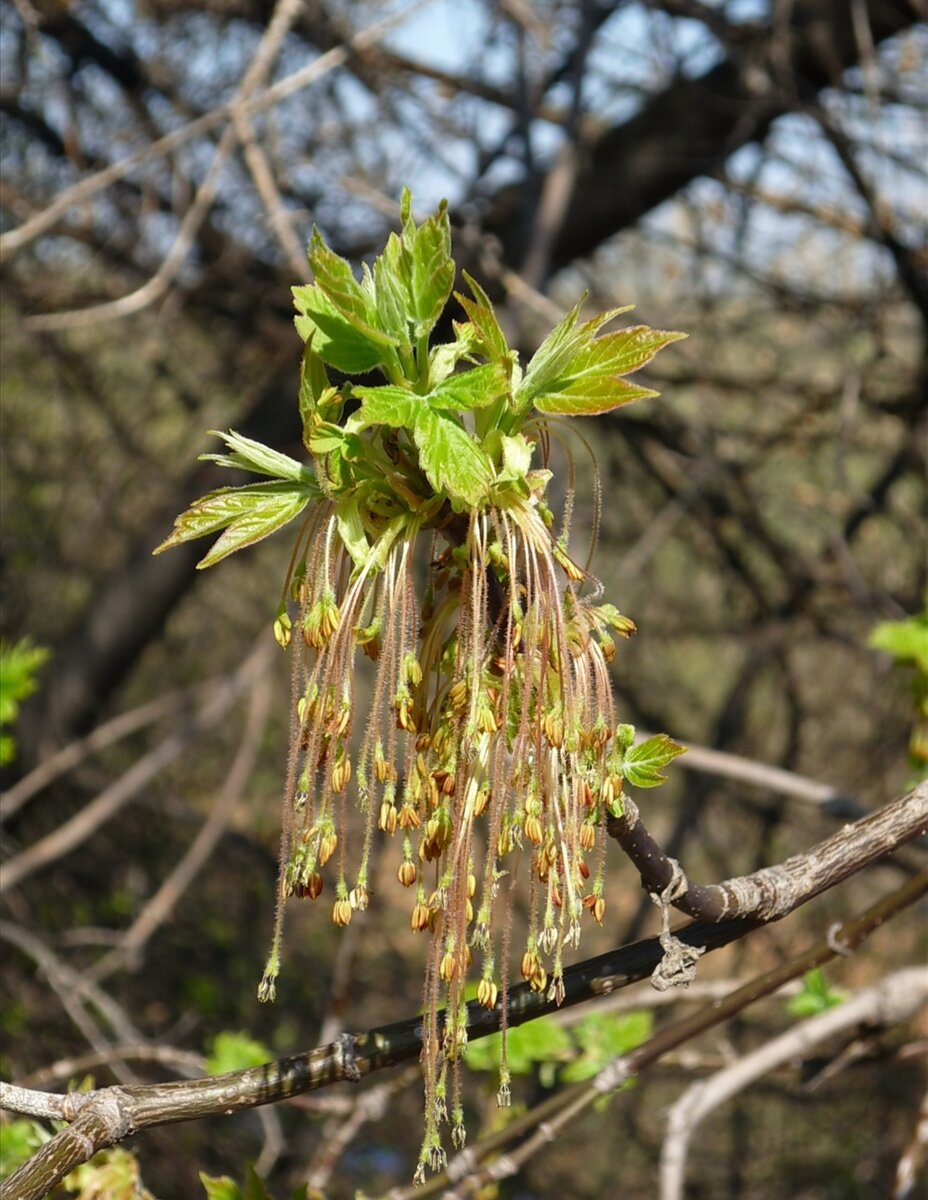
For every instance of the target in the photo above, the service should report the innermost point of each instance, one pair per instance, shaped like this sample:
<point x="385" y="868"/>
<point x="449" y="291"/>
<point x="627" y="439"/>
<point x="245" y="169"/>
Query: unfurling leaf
<point x="248" y="455"/>
<point x="643" y="763"/>
<point x="450" y="457"/>
<point x="247" y="515"/>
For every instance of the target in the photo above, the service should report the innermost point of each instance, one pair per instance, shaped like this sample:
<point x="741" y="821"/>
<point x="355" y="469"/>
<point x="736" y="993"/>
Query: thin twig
<point x="159" y="908"/>
<point x="117" y="1112"/>
<point x="546" y="1120"/>
<point x="105" y="806"/>
<point x="895" y="999"/>
<point x="17" y="238"/>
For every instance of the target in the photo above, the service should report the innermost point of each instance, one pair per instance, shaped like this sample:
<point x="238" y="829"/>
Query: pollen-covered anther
<point x="408" y="817"/>
<point x="406" y="873"/>
<point x="482" y="800"/>
<point x="553" y="729"/>
<point x="327" y="844"/>
<point x="539" y="979"/>
<point x="419" y="921"/>
<point x="534" y="830"/>
<point x="387" y="818"/>
<point x="612" y="789"/>
<point x="341" y="774"/>
<point x="586" y="836"/>
<point x="457" y="695"/>
<point x="448" y="966"/>
<point x="341" y="911"/>
<point x="310" y="887"/>
<point x="530" y="964"/>
<point x="487" y="993"/>
<point x="359" y="897"/>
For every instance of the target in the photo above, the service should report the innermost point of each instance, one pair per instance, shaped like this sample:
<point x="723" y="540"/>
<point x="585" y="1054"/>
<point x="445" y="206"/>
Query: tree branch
<point x="116" y="1112"/>
<point x="772" y="892"/>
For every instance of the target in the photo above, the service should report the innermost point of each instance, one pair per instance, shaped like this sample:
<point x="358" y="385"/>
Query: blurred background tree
<point x="752" y="171"/>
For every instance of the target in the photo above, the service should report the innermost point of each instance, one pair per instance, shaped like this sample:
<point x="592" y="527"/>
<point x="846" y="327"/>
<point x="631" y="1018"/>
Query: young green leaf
<point x="817" y="995"/>
<point x="643" y="763"/>
<point x="450" y="457"/>
<point x="590" y="380"/>
<point x="337" y="340"/>
<point x="247" y="515"/>
<point x="235" y="1052"/>
<point x="476" y="388"/>
<point x="559" y="347"/>
<point x="431" y="267"/>
<point x="387" y="405"/>
<point x="490" y="339"/>
<point x="541" y="1041"/>
<point x="603" y="1037"/>
<point x="248" y="455"/>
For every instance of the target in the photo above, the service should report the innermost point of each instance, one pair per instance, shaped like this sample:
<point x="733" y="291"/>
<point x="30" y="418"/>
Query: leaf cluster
<point x="450" y="428"/>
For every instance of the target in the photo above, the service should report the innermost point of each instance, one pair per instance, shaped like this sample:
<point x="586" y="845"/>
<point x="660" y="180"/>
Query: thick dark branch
<point x="773" y="892"/>
<point x="692" y="127"/>
<point x="569" y="1102"/>
<point x="111" y="1114"/>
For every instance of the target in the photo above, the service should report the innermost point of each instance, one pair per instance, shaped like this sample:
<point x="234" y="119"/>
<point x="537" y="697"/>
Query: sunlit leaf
<point x="249" y="455"/>
<point x="235" y="1052"/>
<point x="643" y="763"/>
<point x="387" y="405"/>
<point x="491" y="341"/>
<point x="450" y="457"/>
<point x="336" y="339"/>
<point x="247" y="514"/>
<point x="475" y="388"/>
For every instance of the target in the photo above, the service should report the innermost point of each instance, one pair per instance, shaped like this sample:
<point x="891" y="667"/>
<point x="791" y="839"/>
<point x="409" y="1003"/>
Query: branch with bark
<point x="108" y="1115"/>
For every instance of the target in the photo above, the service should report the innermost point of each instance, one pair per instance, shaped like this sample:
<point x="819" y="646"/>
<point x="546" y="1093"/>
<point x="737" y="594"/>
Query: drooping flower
<point x="428" y="545"/>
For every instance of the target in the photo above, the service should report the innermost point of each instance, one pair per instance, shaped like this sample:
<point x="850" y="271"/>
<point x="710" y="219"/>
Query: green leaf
<point x="643" y="762"/>
<point x="248" y="455"/>
<point x="450" y="457"/>
<point x="906" y="641"/>
<point x="604" y="1037"/>
<point x="19" y="665"/>
<point x="387" y="405"/>
<point x="109" y="1175"/>
<point x="816" y="996"/>
<point x="337" y="340"/>
<point x="476" y="388"/>
<point x="235" y="1052"/>
<point x="220" y="1187"/>
<point x="558" y="348"/>
<point x="539" y="1041"/>
<point x="490" y="339"/>
<point x="247" y="515"/>
<point x="19" y="1140"/>
<point x="351" y="530"/>
<point x="432" y="268"/>
<point x="590" y="380"/>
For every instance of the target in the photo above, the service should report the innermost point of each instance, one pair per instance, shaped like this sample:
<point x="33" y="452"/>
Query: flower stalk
<point x="488" y="733"/>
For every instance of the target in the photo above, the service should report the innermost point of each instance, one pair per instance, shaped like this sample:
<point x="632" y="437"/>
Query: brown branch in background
<point x="104" y="807"/>
<point x="896" y="998"/>
<point x="912" y="1157"/>
<point x="772" y="892"/>
<point x="114" y="1113"/>
<point x="159" y="907"/>
<point x="546" y="1120"/>
<point x="72" y="755"/>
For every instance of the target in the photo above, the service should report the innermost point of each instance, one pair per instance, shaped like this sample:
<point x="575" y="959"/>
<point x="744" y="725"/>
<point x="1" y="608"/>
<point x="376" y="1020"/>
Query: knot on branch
<point x="346" y="1054"/>
<point x="677" y="967"/>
